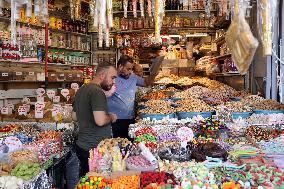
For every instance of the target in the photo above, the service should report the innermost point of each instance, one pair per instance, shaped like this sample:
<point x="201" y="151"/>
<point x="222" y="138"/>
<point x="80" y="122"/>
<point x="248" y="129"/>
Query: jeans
<point x="83" y="157"/>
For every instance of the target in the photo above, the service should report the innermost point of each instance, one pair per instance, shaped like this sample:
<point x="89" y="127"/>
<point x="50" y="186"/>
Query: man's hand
<point x="113" y="117"/>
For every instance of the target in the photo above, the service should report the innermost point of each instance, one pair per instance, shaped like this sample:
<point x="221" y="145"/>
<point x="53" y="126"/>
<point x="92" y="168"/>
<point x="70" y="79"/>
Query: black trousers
<point x="83" y="157"/>
<point x="120" y="128"/>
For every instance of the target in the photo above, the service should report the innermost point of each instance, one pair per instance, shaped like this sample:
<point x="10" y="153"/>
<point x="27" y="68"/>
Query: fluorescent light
<point x="174" y="36"/>
<point x="197" y="35"/>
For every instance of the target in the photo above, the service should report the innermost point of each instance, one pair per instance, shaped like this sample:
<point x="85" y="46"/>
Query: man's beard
<point x="105" y="86"/>
<point x="124" y="76"/>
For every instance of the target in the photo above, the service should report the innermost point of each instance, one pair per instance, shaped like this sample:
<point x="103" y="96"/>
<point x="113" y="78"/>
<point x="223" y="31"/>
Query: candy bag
<point x="241" y="41"/>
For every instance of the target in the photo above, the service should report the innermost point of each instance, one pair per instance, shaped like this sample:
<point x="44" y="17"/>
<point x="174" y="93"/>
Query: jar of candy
<point x="52" y="22"/>
<point x="59" y="23"/>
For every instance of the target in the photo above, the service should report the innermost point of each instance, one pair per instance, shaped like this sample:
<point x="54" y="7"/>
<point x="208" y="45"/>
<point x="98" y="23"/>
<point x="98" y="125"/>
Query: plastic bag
<point x="241" y="41"/>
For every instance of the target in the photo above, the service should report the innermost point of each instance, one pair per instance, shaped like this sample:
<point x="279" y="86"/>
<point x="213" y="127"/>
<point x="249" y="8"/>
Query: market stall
<point x="205" y="123"/>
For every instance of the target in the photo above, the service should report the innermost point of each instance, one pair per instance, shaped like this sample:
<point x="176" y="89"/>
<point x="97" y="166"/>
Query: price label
<point x="5" y="110"/>
<point x="5" y="74"/>
<point x="75" y="86"/>
<point x="19" y="73"/>
<point x="31" y="73"/>
<point x="52" y="75"/>
<point x="13" y="143"/>
<point x="61" y="75"/>
<point x="56" y="99"/>
<point x="40" y="91"/>
<point x="40" y="98"/>
<point x="54" y="112"/>
<point x="65" y="92"/>
<point x="70" y="75"/>
<point x="27" y="106"/>
<point x="22" y="110"/>
<point x="50" y="94"/>
<point x="39" y="109"/>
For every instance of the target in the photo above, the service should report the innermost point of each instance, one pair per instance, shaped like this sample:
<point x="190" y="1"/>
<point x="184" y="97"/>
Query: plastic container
<point x="235" y="99"/>
<point x="266" y="112"/>
<point x="184" y="115"/>
<point x="157" y="116"/>
<point x="243" y="115"/>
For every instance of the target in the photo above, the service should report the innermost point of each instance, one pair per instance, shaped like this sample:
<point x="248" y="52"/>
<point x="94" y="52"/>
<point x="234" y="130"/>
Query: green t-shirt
<point x="90" y="98"/>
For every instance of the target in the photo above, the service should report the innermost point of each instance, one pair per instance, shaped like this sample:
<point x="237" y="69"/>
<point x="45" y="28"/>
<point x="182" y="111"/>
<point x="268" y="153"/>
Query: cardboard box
<point x="187" y="71"/>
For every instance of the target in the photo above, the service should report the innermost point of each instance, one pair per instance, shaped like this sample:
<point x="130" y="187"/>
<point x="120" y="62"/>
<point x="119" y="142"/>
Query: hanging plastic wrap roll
<point x="266" y="15"/>
<point x="149" y="8"/>
<point x="1" y="7"/>
<point x="125" y="6"/>
<point x="134" y="5"/>
<point x="159" y="14"/>
<point x="109" y="13"/>
<point x="142" y="7"/>
<point x="29" y="9"/>
<point x="240" y="40"/>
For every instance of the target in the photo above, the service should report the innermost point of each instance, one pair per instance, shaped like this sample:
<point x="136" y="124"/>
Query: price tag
<point x="50" y="94"/>
<point x="13" y="143"/>
<point x="61" y="75"/>
<point x="26" y="100"/>
<point x="65" y="92"/>
<point x="40" y="98"/>
<point x="52" y="75"/>
<point x="5" y="110"/>
<point x="58" y="106"/>
<point x="22" y="110"/>
<point x="39" y="109"/>
<point x="19" y="73"/>
<point x="185" y="134"/>
<point x="75" y="86"/>
<point x="5" y="74"/>
<point x="79" y="75"/>
<point x="56" y="99"/>
<point x="54" y="112"/>
<point x="40" y="91"/>
<point x="28" y="107"/>
<point x="70" y="75"/>
<point x="31" y="73"/>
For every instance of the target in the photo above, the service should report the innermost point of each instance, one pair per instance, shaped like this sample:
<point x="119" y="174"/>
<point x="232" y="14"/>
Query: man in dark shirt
<point x="91" y="112"/>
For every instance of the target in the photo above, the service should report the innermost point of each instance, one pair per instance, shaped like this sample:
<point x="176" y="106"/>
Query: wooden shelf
<point x="167" y="11"/>
<point x="42" y="27"/>
<point x="11" y="63"/>
<point x="170" y="29"/>
<point x="223" y="57"/>
<point x="67" y="49"/>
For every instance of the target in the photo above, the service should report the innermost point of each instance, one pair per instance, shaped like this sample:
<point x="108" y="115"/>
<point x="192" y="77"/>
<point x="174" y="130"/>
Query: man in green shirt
<point x="91" y="112"/>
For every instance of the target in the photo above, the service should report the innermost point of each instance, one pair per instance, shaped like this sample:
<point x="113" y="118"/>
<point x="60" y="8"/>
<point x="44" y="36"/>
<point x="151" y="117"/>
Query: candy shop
<point x="141" y="94"/>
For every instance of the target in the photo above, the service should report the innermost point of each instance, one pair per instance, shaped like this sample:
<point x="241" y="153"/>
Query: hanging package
<point x="240" y="40"/>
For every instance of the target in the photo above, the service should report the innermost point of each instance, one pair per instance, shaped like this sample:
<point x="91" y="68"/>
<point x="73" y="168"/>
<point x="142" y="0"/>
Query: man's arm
<point x="102" y="119"/>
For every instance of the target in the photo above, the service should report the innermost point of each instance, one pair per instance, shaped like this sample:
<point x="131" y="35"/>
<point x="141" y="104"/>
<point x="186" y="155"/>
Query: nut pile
<point x="156" y="103"/>
<point x="258" y="134"/>
<point x="158" y="110"/>
<point x="193" y="105"/>
<point x="238" y="107"/>
<point x="156" y="95"/>
<point x="196" y="92"/>
<point x="252" y="99"/>
<point x="268" y="104"/>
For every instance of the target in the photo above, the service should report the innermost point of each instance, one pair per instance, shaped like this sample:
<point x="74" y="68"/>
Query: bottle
<point x="185" y="5"/>
<point x="173" y="4"/>
<point x="181" y="5"/>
